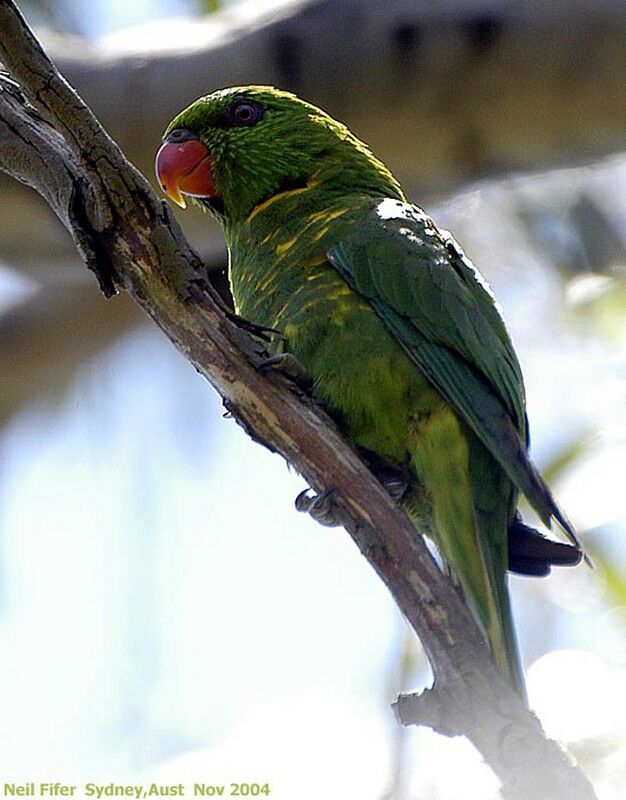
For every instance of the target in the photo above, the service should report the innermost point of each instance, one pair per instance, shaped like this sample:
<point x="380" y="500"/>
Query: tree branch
<point x="129" y="239"/>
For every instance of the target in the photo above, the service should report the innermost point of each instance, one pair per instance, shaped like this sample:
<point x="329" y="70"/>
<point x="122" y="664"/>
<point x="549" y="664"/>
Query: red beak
<point x="183" y="166"/>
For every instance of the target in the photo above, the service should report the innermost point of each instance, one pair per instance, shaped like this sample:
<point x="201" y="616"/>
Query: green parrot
<point x="400" y="335"/>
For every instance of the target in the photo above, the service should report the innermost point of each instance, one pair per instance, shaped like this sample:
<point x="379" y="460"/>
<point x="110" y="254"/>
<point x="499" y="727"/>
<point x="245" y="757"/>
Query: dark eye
<point x="244" y="112"/>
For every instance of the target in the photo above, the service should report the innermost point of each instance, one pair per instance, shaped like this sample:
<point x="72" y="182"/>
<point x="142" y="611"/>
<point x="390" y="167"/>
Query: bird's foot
<point x="392" y="478"/>
<point x="197" y="289"/>
<point x="396" y="487"/>
<point x="320" y="506"/>
<point x="260" y="331"/>
<point x="288" y="365"/>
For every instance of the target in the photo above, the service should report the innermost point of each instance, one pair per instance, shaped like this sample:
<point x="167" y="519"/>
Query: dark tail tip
<point x="531" y="553"/>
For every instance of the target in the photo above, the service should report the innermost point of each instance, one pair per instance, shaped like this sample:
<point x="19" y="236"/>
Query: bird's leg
<point x="260" y="331"/>
<point x="197" y="288"/>
<point x="391" y="478"/>
<point x="289" y="365"/>
<point x="396" y="487"/>
<point x="320" y="506"/>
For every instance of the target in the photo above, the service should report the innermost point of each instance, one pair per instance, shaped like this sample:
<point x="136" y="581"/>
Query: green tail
<point x="471" y="502"/>
<point x="500" y="627"/>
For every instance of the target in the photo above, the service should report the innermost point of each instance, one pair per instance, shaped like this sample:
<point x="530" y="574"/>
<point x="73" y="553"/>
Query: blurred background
<point x="165" y="614"/>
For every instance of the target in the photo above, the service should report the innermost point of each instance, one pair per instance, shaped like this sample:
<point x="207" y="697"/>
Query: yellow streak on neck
<point x="281" y="249"/>
<point x="280" y="196"/>
<point x="325" y="215"/>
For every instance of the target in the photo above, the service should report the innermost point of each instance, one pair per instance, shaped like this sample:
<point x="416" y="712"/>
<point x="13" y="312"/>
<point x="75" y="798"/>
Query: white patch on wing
<point x="411" y="235"/>
<point x="389" y="209"/>
<point x="452" y="242"/>
<point x="393" y="209"/>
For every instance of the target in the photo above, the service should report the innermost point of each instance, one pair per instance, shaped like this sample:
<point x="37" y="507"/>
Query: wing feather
<point x="436" y="304"/>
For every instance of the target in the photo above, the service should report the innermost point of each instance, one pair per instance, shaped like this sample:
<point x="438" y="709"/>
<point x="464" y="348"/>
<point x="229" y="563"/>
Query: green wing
<point x="443" y="314"/>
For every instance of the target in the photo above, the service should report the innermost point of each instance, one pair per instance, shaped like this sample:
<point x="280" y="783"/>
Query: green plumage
<point x="400" y="334"/>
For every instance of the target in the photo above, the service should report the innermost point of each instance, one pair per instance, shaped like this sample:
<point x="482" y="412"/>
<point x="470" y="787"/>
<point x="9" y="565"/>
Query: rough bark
<point x="129" y="239"/>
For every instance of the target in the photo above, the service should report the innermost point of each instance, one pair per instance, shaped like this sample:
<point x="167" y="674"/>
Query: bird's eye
<point x="245" y="112"/>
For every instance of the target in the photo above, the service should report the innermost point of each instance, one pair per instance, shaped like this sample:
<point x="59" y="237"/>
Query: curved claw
<point x="393" y="479"/>
<point x="289" y="365"/>
<point x="262" y="331"/>
<point x="319" y="506"/>
<point x="396" y="487"/>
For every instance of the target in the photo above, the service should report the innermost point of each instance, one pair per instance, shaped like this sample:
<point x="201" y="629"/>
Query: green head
<point x="237" y="147"/>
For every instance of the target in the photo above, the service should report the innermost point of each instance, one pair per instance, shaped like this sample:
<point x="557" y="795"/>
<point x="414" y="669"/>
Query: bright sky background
<point x="166" y="612"/>
<point x="104" y="18"/>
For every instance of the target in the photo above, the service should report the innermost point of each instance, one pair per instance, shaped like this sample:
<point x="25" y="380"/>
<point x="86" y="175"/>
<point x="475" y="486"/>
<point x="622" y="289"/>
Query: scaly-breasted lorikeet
<point x="398" y="331"/>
